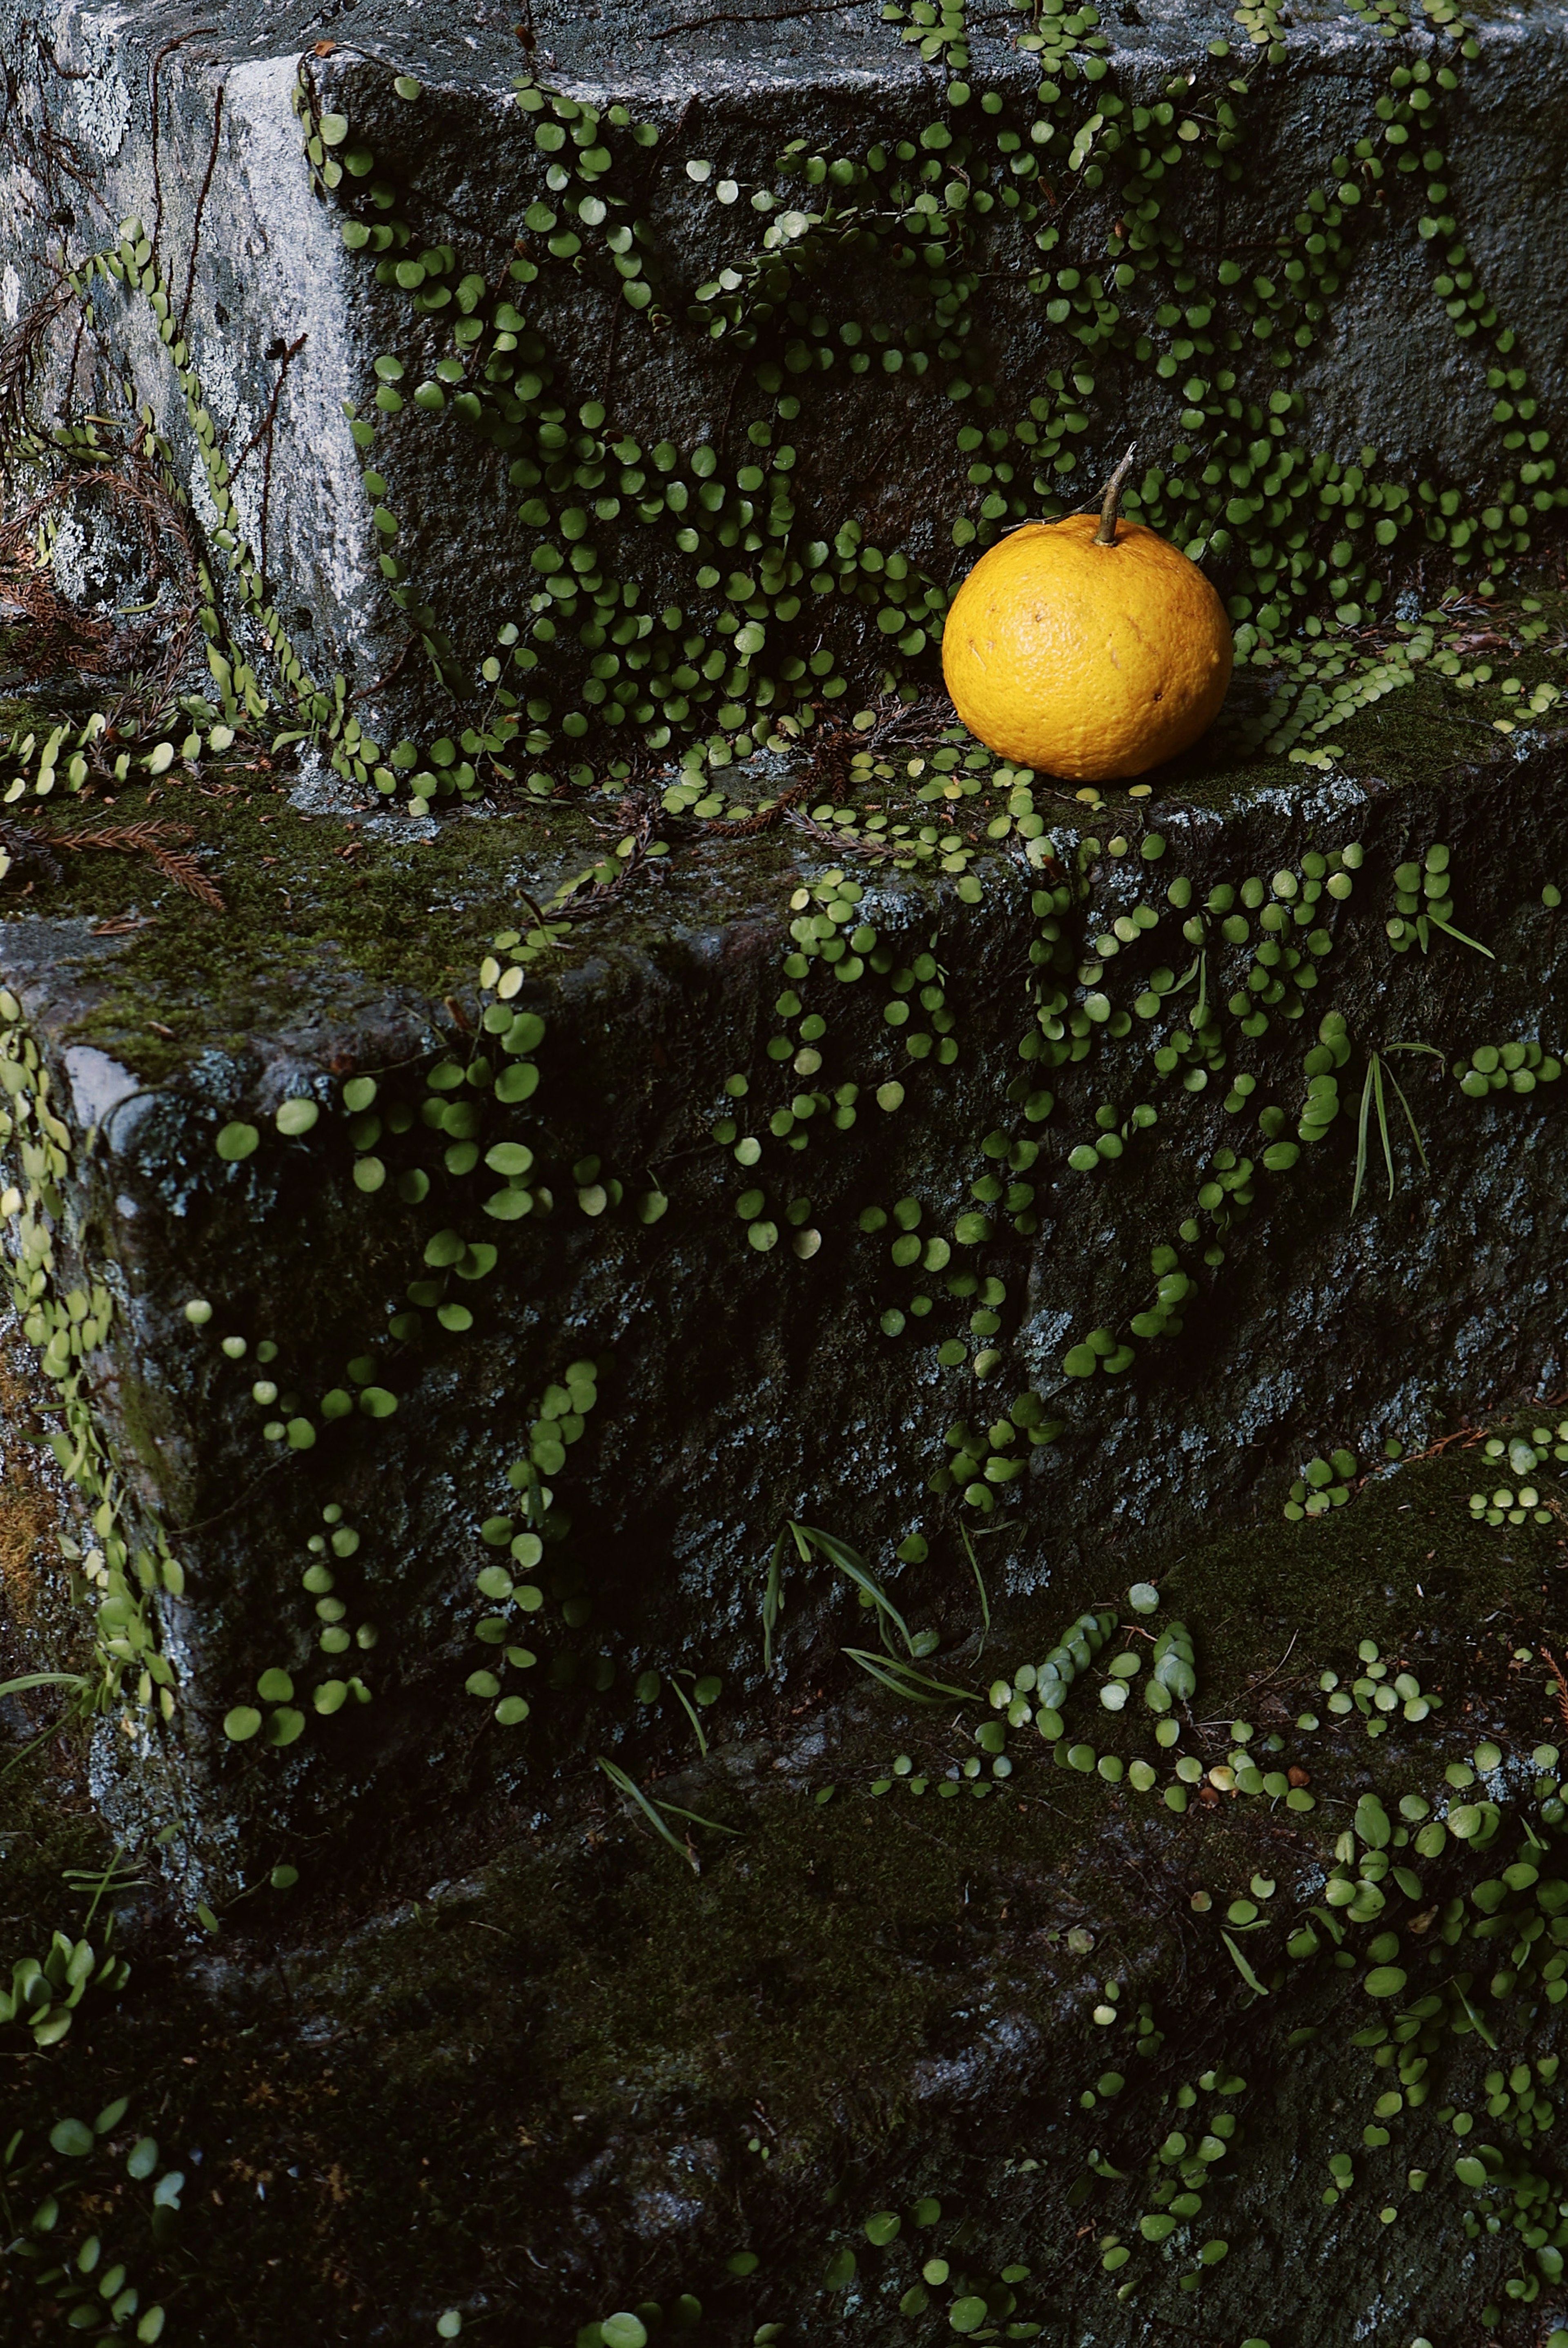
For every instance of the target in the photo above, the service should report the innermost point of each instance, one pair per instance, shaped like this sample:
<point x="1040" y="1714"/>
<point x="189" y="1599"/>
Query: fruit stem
<point x="1106" y="533"/>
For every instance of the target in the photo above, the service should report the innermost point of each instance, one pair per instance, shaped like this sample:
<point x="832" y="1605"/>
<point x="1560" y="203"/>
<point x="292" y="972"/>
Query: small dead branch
<point x="643" y="813"/>
<point x="767" y="816"/>
<point x="263" y="439"/>
<point x="1468" y="1436"/>
<point x="160" y="841"/>
<point x="147" y="655"/>
<point x="1557" y="1672"/>
<point x="58" y="636"/>
<point x="1253" y="1685"/>
<point x="850" y="841"/>
<point x="21" y="354"/>
<point x="29" y="850"/>
<point x="832" y="746"/>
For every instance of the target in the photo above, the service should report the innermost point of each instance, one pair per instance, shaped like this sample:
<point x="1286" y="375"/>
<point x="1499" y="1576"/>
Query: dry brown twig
<point x="57" y="635"/>
<point x="21" y="355"/>
<point x="850" y="840"/>
<point x="1468" y="1436"/>
<point x="160" y="841"/>
<point x="125" y="925"/>
<point x="766" y="815"/>
<point x="643" y="813"/>
<point x="833" y="744"/>
<point x="1557" y="1673"/>
<point x="163" y="638"/>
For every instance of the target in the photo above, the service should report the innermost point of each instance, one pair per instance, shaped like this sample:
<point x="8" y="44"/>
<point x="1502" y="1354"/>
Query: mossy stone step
<point x="280" y="326"/>
<point x="826" y="1277"/>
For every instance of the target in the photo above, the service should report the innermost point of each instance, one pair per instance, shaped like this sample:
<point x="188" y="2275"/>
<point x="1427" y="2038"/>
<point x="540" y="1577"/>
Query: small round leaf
<point x="1385" y="1981"/>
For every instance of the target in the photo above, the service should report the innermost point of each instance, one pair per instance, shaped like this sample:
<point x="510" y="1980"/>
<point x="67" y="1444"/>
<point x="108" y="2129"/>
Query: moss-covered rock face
<point x="1012" y="1190"/>
<point x="637" y="383"/>
<point x="822" y="1488"/>
<point x="1252" y="2033"/>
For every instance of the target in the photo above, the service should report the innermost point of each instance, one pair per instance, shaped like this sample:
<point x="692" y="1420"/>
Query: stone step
<point x="281" y="324"/>
<point x="780" y="1296"/>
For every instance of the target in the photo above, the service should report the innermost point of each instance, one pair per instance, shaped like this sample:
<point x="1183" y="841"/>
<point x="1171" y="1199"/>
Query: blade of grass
<point x="915" y="1687"/>
<point x="108" y="1879"/>
<point x="850" y="1563"/>
<point x="1481" y="2029"/>
<point x="31" y="1747"/>
<point x="82" y="1879"/>
<point x="677" y="1812"/>
<point x="623" y="1783"/>
<point x="41" y="1679"/>
<point x="691" y="1716"/>
<point x="1383" y="1118"/>
<point x="772" y="1597"/>
<point x="1243" y="1967"/>
<point x="1410" y="1121"/>
<point x="1200" y="1007"/>
<point x="1361" y="1141"/>
<point x="1449" y="930"/>
<point x="980" y="1584"/>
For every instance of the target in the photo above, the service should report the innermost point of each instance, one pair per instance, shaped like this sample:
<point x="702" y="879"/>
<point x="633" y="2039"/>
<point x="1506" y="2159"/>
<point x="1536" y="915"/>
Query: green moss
<point x="1406" y="741"/>
<point x="306" y="933"/>
<point x="1403" y="1556"/>
<point x="311" y="934"/>
<point x="878" y="1990"/>
<point x="47" y="1825"/>
<point x="794" y="1960"/>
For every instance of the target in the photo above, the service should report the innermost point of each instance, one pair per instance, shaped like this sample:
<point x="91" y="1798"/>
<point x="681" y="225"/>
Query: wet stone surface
<point x="283" y="324"/>
<point x="820" y="1320"/>
<point x="1097" y="1878"/>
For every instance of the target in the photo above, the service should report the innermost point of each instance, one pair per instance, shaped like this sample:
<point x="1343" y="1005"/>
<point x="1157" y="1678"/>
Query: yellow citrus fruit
<point x="1089" y="661"/>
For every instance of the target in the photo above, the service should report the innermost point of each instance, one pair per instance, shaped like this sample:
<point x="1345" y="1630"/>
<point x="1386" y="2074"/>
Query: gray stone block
<point x="647" y="1026"/>
<point x="739" y="1383"/>
<point x="273" y="1539"/>
<point x="258" y="271"/>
